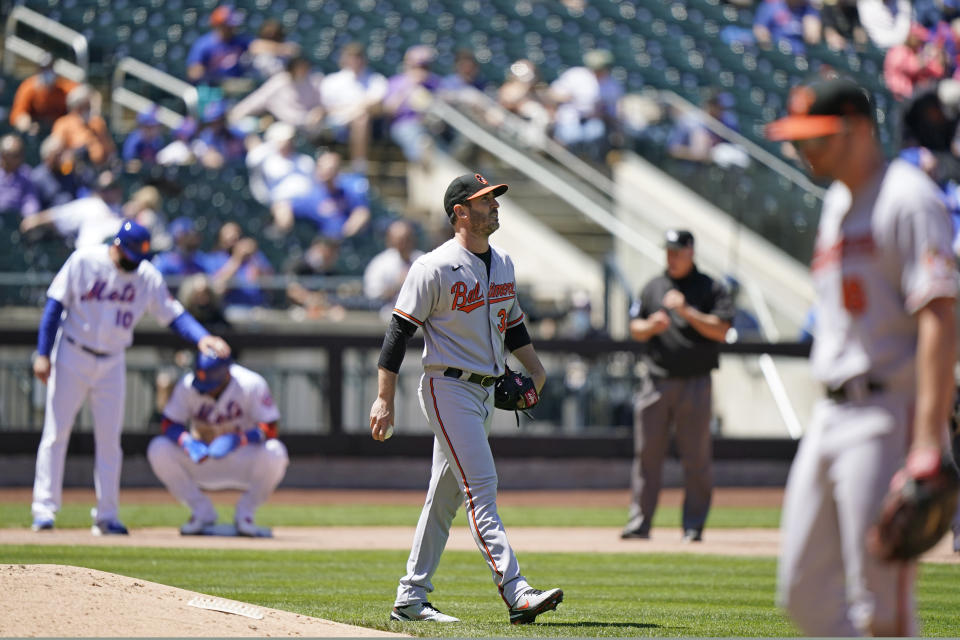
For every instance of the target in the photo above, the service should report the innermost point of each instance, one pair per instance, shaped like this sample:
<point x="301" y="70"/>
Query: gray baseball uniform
<point x="464" y="316"/>
<point x="878" y="260"/>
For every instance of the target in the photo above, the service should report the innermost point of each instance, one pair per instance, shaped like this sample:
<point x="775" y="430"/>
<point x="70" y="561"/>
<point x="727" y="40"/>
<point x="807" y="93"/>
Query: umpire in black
<point x="681" y="315"/>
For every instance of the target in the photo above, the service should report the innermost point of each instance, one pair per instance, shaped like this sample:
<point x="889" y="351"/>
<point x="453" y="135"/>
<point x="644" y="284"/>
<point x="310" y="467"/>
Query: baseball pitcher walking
<point x="463" y="295"/>
<point x="101" y="292"/>
<point x="884" y="349"/>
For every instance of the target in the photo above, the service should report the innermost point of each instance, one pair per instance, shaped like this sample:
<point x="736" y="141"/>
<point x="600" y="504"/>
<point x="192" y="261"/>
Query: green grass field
<point x="286" y="515"/>
<point x="623" y="595"/>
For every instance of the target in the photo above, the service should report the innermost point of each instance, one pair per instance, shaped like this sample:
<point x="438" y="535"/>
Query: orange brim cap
<point x="803" y="127"/>
<point x="497" y="189"/>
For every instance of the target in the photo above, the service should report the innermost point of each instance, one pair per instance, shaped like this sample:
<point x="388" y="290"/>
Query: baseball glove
<point x="514" y="391"/>
<point x="918" y="509"/>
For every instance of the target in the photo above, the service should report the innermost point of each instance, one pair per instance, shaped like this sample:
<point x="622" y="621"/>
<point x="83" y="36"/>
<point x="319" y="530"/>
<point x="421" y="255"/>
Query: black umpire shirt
<point x="681" y="351"/>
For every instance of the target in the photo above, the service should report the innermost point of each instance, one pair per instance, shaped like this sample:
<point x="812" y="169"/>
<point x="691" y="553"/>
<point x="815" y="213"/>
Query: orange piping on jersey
<point x="846" y="247"/>
<point x="502" y="299"/>
<point x="408" y="317"/>
<point x="467" y="308"/>
<point x="515" y="322"/>
<point x="466" y="485"/>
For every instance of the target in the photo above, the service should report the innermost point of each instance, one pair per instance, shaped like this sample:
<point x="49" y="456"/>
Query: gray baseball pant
<point x="685" y="405"/>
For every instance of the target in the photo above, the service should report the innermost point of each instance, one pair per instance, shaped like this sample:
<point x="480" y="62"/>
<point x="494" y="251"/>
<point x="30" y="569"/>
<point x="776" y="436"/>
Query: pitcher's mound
<point x="51" y="600"/>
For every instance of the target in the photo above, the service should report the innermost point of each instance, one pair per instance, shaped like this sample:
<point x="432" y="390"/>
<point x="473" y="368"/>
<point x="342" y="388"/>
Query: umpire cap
<point x="133" y="241"/>
<point x="468" y="187"/>
<point x="209" y="372"/>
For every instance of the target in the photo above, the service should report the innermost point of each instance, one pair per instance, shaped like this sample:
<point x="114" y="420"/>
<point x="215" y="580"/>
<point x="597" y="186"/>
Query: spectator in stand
<point x="184" y="258"/>
<point x="409" y="93"/>
<point x="198" y="297"/>
<point x="320" y="259"/>
<point x="524" y="94"/>
<point x="791" y="23"/>
<point x="337" y="203"/>
<point x="387" y="270"/>
<point x="180" y="150"/>
<point x="292" y="96"/>
<point x="54" y="178"/>
<point x="236" y="265"/>
<point x="466" y="74"/>
<point x="352" y="98"/>
<point x="841" y="25"/>
<point x="40" y="99"/>
<point x="277" y="171"/>
<point x="85" y="221"/>
<point x="691" y="139"/>
<point x="17" y="193"/>
<point x="144" y="208"/>
<point x="271" y="52"/>
<point x="587" y="99"/>
<point x="84" y="131"/>
<point x="887" y="22"/>
<point x="915" y="63"/>
<point x="218" y="143"/>
<point x="143" y="143"/>
<point x="219" y="57"/>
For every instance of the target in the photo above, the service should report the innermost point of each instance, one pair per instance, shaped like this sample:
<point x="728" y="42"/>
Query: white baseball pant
<point x="256" y="469"/>
<point x="76" y="376"/>
<point x="827" y="580"/>
<point x="463" y="472"/>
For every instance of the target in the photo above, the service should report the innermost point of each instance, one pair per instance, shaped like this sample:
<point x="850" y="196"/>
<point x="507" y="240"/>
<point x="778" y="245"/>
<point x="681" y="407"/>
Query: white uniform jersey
<point x="877" y="261"/>
<point x="104" y="303"/>
<point x="463" y="313"/>
<point x="243" y="404"/>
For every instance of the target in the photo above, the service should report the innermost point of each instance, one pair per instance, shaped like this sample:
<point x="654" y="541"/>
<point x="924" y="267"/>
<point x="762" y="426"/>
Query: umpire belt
<point x="83" y="347"/>
<point x="476" y="378"/>
<point x="854" y="390"/>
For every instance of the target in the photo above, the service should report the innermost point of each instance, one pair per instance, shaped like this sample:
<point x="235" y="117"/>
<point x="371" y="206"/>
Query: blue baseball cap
<point x="133" y="241"/>
<point x="209" y="372"/>
<point x="147" y="118"/>
<point x="181" y="226"/>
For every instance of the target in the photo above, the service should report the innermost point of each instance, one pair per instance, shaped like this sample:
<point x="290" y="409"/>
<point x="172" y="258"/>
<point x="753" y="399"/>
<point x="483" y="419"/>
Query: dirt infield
<point x="51" y="600"/>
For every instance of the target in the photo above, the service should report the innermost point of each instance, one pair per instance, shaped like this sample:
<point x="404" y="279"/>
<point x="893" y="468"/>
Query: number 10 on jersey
<point x="124" y="318"/>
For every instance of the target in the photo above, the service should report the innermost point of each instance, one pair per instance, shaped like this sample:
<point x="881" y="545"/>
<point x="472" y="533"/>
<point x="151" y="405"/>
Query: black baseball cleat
<point x="532" y="603"/>
<point x="635" y="534"/>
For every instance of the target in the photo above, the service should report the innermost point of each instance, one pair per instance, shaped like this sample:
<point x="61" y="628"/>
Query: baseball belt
<point x="476" y="378"/>
<point x="93" y="352"/>
<point x="854" y="390"/>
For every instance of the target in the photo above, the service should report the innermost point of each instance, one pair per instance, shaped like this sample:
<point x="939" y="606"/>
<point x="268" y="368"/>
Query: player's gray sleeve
<point x="923" y="239"/>
<point x="419" y="294"/>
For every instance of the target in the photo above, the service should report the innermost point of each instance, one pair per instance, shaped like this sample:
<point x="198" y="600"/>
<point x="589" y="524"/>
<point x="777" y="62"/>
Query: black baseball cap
<point x="468" y="187"/>
<point x="678" y="239"/>
<point x="817" y="108"/>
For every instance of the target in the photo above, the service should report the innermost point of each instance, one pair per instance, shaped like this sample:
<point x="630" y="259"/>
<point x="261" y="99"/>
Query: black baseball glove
<point x="918" y="509"/>
<point x="513" y="391"/>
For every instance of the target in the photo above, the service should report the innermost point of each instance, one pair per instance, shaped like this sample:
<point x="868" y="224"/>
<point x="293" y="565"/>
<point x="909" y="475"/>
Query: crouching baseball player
<point x="219" y="432"/>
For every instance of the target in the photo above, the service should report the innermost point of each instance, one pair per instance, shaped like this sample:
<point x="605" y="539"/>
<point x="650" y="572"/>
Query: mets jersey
<point x="243" y="404"/>
<point x="464" y="314"/>
<point x="103" y="303"/>
<point x="877" y="261"/>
